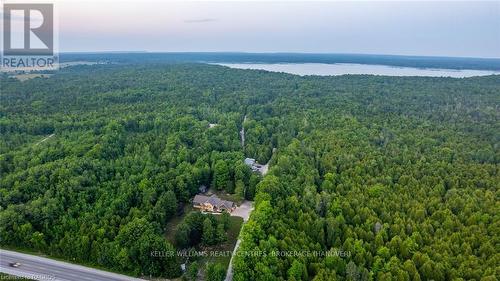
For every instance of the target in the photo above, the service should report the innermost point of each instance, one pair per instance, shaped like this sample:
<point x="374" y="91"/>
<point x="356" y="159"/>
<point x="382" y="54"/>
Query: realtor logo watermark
<point x="29" y="37"/>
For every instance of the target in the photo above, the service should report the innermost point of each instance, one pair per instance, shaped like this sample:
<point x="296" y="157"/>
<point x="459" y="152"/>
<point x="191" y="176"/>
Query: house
<point x="249" y="161"/>
<point x="212" y="204"/>
<point x="256" y="167"/>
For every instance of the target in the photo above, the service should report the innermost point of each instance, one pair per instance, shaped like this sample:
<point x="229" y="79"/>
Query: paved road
<point x="39" y="268"/>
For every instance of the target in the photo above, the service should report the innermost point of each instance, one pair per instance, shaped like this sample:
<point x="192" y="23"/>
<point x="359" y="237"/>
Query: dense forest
<point x="401" y="173"/>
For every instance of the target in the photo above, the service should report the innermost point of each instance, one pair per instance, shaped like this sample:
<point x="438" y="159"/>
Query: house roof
<point x="213" y="200"/>
<point x="200" y="199"/>
<point x="249" y="161"/>
<point x="227" y="204"/>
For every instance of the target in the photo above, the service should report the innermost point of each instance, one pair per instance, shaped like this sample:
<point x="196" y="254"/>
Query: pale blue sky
<point x="447" y="28"/>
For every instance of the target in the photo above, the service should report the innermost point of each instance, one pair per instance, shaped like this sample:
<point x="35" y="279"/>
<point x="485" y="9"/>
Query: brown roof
<point x="200" y="199"/>
<point x="213" y="200"/>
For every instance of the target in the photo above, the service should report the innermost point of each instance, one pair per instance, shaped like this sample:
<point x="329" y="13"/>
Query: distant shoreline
<point x="321" y="69"/>
<point x="423" y="62"/>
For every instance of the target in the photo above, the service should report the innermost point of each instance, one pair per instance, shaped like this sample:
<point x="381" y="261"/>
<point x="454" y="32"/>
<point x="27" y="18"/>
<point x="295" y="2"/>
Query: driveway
<point x="243" y="210"/>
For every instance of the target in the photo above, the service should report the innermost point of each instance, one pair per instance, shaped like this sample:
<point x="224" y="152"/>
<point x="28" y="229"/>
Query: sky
<point x="429" y="28"/>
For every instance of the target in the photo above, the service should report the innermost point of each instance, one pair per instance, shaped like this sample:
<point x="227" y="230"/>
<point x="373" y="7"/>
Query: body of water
<point x="324" y="69"/>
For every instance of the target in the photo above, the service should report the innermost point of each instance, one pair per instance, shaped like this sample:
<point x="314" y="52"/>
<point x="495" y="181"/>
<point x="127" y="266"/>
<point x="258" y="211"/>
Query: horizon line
<point x="274" y="53"/>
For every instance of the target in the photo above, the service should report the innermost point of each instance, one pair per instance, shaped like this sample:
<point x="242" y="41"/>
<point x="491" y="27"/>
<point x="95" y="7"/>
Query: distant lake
<point x="324" y="69"/>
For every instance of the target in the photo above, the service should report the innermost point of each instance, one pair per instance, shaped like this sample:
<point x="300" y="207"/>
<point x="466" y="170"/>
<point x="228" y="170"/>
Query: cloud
<point x="200" y="20"/>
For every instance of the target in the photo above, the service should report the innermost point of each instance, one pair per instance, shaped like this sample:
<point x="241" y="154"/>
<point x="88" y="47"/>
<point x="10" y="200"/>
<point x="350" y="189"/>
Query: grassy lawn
<point x="232" y="236"/>
<point x="228" y="245"/>
<point x="223" y="250"/>
<point x="175" y="221"/>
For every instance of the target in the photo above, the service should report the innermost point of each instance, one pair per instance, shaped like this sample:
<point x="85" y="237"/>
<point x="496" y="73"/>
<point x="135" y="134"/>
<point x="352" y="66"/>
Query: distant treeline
<point x="402" y="61"/>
